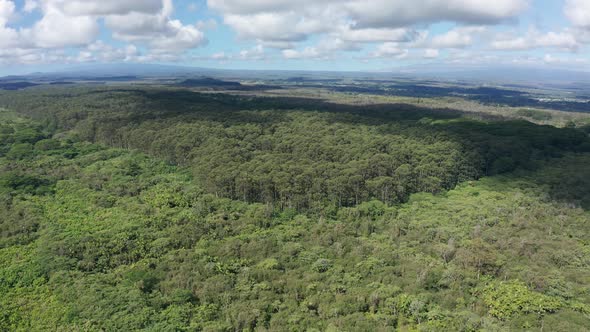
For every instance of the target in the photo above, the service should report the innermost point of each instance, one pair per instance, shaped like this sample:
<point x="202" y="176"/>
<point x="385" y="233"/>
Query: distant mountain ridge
<point x="208" y="82"/>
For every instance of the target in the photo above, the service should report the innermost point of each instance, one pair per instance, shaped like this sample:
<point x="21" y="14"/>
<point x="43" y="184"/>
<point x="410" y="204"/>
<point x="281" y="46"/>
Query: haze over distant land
<point x="348" y="35"/>
<point x="494" y="74"/>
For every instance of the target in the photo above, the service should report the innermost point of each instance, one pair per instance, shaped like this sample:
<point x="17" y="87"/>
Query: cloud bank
<point x="71" y="31"/>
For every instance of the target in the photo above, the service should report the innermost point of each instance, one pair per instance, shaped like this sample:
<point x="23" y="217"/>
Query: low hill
<point x="208" y="82"/>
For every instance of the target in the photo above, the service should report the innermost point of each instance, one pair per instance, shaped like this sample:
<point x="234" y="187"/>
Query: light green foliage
<point x="506" y="299"/>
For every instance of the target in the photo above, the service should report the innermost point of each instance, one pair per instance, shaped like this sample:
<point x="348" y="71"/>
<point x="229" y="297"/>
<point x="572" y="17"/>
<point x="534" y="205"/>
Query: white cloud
<point x="67" y="23"/>
<point x="246" y="7"/>
<point x="158" y="30"/>
<point x="461" y="57"/>
<point x="388" y="13"/>
<point x="104" y="7"/>
<point x="431" y="53"/>
<point x="563" y="40"/>
<point x="33" y="56"/>
<point x="103" y="52"/>
<point x="326" y="48"/>
<point x="281" y="27"/>
<point x="8" y="37"/>
<point x="457" y="37"/>
<point x="578" y="12"/>
<point x="331" y="44"/>
<point x="354" y="20"/>
<point x="75" y="23"/>
<point x="383" y="13"/>
<point x="30" y="6"/>
<point x="7" y="9"/>
<point x="390" y="50"/>
<point x="535" y="39"/>
<point x="307" y="53"/>
<point x="219" y="56"/>
<point x="178" y="37"/>
<point x="55" y="29"/>
<point x="303" y="29"/>
<point x="548" y="58"/>
<point x="281" y="45"/>
<point x="255" y="53"/>
<point x="375" y="35"/>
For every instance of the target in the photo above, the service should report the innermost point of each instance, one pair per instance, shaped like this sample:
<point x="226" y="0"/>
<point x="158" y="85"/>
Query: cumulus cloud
<point x="7" y="11"/>
<point x="278" y="21"/>
<point x="265" y="26"/>
<point x="334" y="44"/>
<point x="276" y="27"/>
<point x="8" y="36"/>
<point x="221" y="56"/>
<point x="375" y="35"/>
<point x="287" y="29"/>
<point x="578" y="12"/>
<point x="355" y="20"/>
<point x="102" y="52"/>
<point x="384" y="13"/>
<point x="388" y="13"/>
<point x="325" y="49"/>
<point x="104" y="7"/>
<point x="431" y="53"/>
<point x="390" y="50"/>
<point x="56" y="29"/>
<point x="25" y="56"/>
<point x="158" y="30"/>
<point x="462" y="57"/>
<point x="75" y="24"/>
<point x="307" y="53"/>
<point x="255" y="53"/>
<point x="246" y="7"/>
<point x="457" y="37"/>
<point x="30" y="6"/>
<point x="535" y="39"/>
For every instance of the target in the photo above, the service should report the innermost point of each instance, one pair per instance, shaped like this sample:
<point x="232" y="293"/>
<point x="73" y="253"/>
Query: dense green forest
<point x="296" y="153"/>
<point x="168" y="210"/>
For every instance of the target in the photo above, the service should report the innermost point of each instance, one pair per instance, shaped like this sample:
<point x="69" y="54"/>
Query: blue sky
<point x="354" y="35"/>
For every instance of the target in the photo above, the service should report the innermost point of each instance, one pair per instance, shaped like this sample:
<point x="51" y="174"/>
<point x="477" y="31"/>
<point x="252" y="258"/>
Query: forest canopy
<point x="163" y="209"/>
<point x="294" y="153"/>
